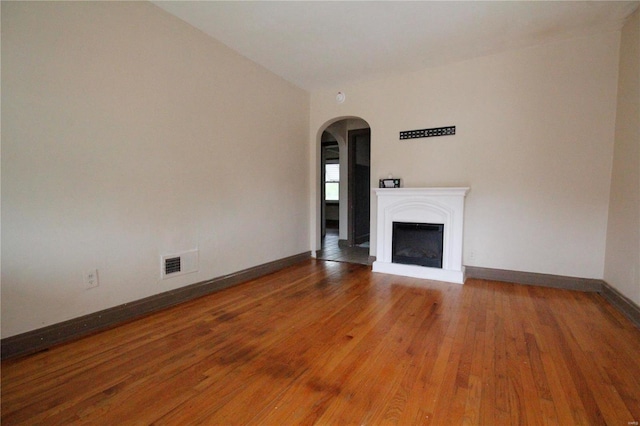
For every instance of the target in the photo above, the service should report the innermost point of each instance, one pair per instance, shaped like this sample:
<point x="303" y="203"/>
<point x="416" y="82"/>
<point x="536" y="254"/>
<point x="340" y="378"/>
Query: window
<point x="332" y="182"/>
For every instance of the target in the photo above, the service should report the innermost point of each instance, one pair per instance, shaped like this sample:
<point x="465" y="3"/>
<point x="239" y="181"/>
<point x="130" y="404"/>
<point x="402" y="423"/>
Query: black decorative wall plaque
<point x="427" y="133"/>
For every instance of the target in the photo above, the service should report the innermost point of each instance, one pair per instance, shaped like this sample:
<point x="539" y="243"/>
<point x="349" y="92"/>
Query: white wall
<point x="534" y="140"/>
<point x="128" y="134"/>
<point x="622" y="268"/>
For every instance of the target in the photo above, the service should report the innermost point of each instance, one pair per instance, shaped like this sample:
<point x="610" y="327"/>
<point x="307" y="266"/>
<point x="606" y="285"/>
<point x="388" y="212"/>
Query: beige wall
<point x="128" y="134"/>
<point x="534" y="138"/>
<point x="622" y="268"/>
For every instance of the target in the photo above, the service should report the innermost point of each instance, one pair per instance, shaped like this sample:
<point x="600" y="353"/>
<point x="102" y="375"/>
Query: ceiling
<point x="325" y="44"/>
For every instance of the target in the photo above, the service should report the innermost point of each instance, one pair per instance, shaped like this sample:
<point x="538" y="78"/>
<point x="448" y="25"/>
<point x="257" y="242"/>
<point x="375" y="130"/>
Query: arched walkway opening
<point x="344" y="188"/>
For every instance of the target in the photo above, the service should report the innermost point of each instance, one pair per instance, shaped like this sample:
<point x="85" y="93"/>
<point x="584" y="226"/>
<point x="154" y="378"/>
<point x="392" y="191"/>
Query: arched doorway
<point x="344" y="189"/>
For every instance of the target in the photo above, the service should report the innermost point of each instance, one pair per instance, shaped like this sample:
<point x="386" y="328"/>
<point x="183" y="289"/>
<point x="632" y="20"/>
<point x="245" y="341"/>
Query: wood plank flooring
<point x="333" y="343"/>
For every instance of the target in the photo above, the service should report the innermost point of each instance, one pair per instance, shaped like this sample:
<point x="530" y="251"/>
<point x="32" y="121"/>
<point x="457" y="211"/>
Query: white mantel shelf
<point x="443" y="205"/>
<point x="437" y="191"/>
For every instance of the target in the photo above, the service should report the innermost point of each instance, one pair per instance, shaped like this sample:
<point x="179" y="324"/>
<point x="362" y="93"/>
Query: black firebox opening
<point x="417" y="244"/>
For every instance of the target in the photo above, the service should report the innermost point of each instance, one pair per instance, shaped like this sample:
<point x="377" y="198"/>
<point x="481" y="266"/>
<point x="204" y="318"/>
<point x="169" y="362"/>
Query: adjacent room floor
<point x="331" y="250"/>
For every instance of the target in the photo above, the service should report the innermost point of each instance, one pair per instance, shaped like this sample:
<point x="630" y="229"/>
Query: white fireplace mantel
<point x="422" y="205"/>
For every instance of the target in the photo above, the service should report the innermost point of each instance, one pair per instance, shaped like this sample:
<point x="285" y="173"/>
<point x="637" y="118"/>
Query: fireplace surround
<point x="429" y="206"/>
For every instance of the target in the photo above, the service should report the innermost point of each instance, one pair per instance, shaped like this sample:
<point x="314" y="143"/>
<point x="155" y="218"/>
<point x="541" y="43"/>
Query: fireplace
<point x="434" y="218"/>
<point x="417" y="244"/>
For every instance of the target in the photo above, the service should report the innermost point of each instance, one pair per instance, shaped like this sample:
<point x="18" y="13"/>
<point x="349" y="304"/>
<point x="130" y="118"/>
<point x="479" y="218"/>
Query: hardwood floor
<point x="333" y="343"/>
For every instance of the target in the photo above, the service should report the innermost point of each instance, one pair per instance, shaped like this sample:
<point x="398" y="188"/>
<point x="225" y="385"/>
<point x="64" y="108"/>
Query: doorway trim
<point x="351" y="195"/>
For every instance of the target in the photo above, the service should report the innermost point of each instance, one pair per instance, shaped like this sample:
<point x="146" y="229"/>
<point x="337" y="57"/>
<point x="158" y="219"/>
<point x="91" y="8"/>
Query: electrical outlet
<point x="91" y="278"/>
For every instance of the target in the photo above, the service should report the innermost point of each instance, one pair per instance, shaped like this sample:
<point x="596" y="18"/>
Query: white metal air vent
<point x="173" y="265"/>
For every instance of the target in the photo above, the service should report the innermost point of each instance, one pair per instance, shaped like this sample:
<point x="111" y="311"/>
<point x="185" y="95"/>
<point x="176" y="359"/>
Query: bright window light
<point x="332" y="182"/>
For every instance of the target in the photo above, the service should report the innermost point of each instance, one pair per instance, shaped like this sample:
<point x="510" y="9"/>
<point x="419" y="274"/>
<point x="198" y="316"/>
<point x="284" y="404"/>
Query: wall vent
<point x="173" y="265"/>
<point x="427" y="133"/>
